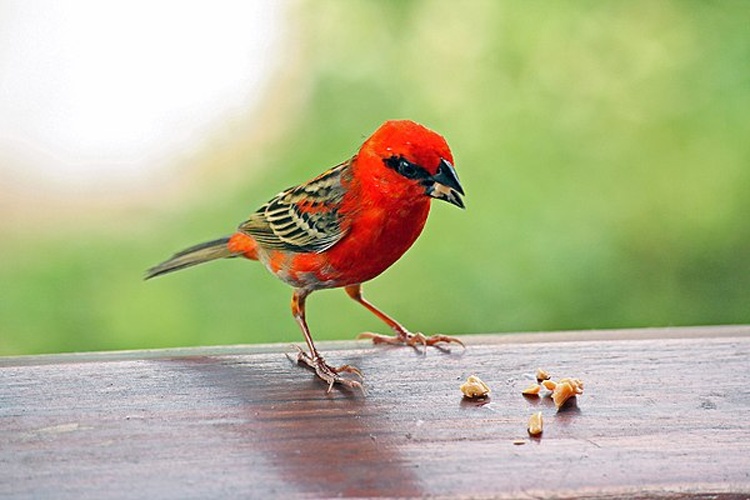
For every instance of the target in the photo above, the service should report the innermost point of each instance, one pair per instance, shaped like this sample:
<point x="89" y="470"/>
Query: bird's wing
<point x="304" y="218"/>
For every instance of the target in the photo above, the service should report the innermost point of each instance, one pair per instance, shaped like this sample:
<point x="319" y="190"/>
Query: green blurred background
<point x="604" y="148"/>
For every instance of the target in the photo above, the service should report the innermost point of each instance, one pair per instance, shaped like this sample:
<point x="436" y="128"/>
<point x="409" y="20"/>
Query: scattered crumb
<point x="541" y="375"/>
<point x="560" y="392"/>
<point x="549" y="385"/>
<point x="474" y="388"/>
<point x="519" y="442"/>
<point x="575" y="382"/>
<point x="565" y="389"/>
<point x="532" y="390"/>
<point x="535" y="424"/>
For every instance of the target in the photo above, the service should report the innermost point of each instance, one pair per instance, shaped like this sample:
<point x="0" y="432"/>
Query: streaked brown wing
<point x="304" y="218"/>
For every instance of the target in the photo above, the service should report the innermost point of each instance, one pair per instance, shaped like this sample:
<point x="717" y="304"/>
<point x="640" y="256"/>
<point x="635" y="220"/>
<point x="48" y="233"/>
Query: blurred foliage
<point x="603" y="147"/>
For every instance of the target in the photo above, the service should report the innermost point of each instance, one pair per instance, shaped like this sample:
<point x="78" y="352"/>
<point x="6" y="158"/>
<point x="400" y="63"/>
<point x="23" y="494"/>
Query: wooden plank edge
<point x="679" y="332"/>
<point x="692" y="332"/>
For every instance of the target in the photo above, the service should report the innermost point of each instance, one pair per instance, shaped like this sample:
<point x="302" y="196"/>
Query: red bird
<point x="345" y="227"/>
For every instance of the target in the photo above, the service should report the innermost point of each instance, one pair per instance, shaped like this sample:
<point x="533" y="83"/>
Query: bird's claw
<point x="410" y="339"/>
<point x="328" y="373"/>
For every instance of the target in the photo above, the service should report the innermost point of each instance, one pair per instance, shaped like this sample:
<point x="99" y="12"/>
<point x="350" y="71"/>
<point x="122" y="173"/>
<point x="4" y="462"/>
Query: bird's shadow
<point x="288" y="417"/>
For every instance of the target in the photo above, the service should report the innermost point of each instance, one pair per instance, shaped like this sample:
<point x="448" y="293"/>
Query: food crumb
<point x="532" y="390"/>
<point x="474" y="388"/>
<point x="565" y="389"/>
<point x="541" y="375"/>
<point x="535" y="424"/>
<point x="549" y="385"/>
<point x="519" y="442"/>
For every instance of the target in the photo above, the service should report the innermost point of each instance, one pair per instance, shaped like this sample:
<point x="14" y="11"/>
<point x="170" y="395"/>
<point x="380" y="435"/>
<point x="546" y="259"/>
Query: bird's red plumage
<point x="382" y="212"/>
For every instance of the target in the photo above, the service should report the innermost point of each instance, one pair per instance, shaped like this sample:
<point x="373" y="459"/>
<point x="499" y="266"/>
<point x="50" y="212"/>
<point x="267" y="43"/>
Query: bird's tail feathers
<point x="198" y="254"/>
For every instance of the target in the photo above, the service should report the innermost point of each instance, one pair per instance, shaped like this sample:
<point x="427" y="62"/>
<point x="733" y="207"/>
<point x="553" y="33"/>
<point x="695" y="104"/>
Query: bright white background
<point x="96" y="92"/>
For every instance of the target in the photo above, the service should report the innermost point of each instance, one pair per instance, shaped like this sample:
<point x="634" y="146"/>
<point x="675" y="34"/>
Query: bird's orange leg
<point x="403" y="336"/>
<point x="314" y="360"/>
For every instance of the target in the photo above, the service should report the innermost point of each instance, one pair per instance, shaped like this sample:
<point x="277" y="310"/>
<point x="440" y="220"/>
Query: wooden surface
<point x="664" y="413"/>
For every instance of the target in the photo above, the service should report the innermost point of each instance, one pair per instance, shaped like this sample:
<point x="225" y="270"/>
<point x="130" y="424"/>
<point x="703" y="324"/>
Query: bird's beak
<point x="444" y="185"/>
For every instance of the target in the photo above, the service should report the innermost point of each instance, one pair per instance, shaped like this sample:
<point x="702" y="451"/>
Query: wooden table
<point x="665" y="412"/>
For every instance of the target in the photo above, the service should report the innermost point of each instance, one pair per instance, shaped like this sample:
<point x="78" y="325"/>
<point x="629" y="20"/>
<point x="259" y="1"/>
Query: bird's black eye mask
<point x="406" y="168"/>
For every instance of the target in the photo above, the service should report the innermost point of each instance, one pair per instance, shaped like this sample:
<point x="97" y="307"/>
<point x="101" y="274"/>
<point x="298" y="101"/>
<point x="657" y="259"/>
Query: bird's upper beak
<point x="444" y="185"/>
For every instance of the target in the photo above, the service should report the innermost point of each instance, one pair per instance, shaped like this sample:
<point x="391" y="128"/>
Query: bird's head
<point x="408" y="156"/>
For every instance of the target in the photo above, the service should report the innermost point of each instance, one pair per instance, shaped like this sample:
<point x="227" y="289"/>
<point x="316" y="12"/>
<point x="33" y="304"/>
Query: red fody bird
<point x="345" y="227"/>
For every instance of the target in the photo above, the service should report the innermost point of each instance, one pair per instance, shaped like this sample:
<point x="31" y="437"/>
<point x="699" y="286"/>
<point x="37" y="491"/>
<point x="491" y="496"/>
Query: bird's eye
<point x="407" y="169"/>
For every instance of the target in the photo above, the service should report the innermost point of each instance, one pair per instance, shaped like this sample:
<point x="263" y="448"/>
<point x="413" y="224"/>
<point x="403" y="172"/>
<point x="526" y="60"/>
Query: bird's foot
<point x="410" y="339"/>
<point x="330" y="374"/>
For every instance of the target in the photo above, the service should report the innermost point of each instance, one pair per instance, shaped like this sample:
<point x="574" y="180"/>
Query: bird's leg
<point x="403" y="336"/>
<point x="314" y="360"/>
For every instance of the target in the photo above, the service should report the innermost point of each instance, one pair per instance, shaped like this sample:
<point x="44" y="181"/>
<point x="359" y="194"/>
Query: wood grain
<point x="664" y="413"/>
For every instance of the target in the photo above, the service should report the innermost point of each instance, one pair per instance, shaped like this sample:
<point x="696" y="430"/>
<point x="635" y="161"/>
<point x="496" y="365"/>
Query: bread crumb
<point x="549" y="385"/>
<point x="566" y="389"/>
<point x="532" y="390"/>
<point x="535" y="424"/>
<point x="474" y="388"/>
<point x="541" y="375"/>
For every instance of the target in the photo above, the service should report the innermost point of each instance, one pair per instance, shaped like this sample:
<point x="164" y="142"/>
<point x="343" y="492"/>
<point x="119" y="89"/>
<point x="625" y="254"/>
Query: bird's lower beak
<point x="444" y="185"/>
